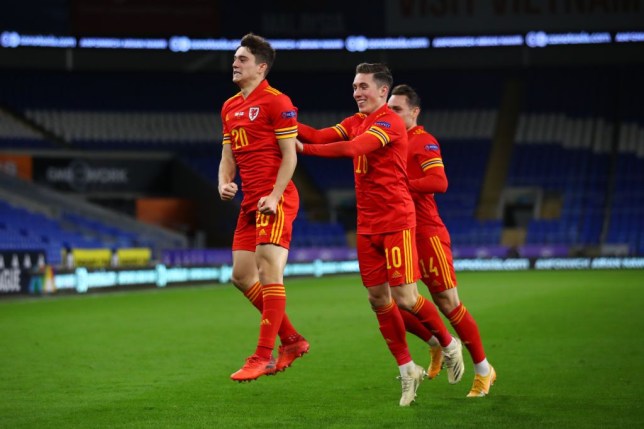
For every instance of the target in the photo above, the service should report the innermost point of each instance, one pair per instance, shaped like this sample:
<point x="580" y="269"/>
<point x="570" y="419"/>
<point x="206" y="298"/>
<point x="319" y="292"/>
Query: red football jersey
<point x="424" y="154"/>
<point x="382" y="196"/>
<point x="253" y="126"/>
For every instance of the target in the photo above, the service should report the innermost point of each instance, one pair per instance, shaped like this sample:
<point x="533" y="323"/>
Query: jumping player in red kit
<point x="259" y="130"/>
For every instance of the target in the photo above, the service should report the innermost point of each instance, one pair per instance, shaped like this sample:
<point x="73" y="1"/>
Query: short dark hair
<point x="381" y="73"/>
<point x="261" y="48"/>
<point x="412" y="96"/>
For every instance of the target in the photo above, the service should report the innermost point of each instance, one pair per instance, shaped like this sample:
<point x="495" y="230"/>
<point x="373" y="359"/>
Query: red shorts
<point x="435" y="258"/>
<point x="388" y="258"/>
<point x="254" y="228"/>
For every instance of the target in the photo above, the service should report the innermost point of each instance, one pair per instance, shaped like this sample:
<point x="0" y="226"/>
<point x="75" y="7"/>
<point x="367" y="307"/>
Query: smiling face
<point x="246" y="71"/>
<point x="368" y="95"/>
<point x="400" y="105"/>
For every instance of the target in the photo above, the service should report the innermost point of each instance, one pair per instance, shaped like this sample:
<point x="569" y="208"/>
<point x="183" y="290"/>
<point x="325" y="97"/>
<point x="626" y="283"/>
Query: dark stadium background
<point x="99" y="148"/>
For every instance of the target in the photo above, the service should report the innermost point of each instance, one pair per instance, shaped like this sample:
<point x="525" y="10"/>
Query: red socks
<point x="427" y="314"/>
<point x="274" y="306"/>
<point x="468" y="331"/>
<point x="254" y="295"/>
<point x="392" y="328"/>
<point x="286" y="330"/>
<point x="413" y="326"/>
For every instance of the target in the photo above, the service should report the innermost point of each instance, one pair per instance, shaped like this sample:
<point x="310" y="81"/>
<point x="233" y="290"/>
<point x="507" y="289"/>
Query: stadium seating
<point x="317" y="234"/>
<point x="32" y="217"/>
<point x="465" y="162"/>
<point x="16" y="135"/>
<point x="140" y="130"/>
<point x="460" y="110"/>
<point x="626" y="222"/>
<point x="24" y="230"/>
<point x="564" y="144"/>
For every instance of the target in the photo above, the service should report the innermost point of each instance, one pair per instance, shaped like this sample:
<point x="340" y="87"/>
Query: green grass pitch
<point x="567" y="346"/>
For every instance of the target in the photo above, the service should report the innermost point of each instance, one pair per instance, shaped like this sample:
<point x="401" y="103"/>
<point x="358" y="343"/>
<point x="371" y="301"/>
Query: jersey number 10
<point x="394" y="258"/>
<point x="361" y="164"/>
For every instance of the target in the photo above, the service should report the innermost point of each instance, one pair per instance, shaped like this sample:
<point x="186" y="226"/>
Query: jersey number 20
<point x="240" y="137"/>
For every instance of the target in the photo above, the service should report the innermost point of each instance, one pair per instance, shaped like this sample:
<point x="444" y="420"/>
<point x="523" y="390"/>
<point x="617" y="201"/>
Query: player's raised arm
<point x="361" y="145"/>
<point x="308" y="134"/>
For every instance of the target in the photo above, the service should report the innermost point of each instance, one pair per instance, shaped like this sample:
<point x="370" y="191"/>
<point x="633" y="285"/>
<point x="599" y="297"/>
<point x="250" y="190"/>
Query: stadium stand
<point x="108" y="113"/>
<point x="626" y="223"/>
<point x="565" y="144"/>
<point x="465" y="138"/>
<point x="167" y="113"/>
<point x="15" y="134"/>
<point x="138" y="130"/>
<point x="626" y="220"/>
<point x="562" y="145"/>
<point x="461" y="111"/>
<point x="32" y="217"/>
